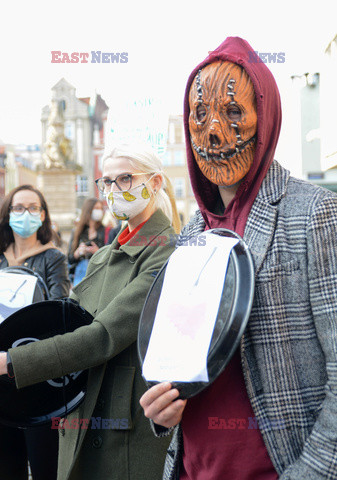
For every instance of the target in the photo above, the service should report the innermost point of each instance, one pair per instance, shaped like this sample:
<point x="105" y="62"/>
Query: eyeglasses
<point x="123" y="182"/>
<point x="20" y="209"/>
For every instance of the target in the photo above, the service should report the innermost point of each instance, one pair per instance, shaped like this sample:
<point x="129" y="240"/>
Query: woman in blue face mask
<point x="25" y="240"/>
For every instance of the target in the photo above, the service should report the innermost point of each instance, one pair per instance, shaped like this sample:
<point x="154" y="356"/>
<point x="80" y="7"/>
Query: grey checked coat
<point x="289" y="349"/>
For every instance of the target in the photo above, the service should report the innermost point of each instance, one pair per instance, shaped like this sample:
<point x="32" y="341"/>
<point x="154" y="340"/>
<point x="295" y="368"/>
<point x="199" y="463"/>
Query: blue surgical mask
<point x="24" y="225"/>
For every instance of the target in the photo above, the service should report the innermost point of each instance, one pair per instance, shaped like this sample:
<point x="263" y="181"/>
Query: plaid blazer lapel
<point x="261" y="222"/>
<point x="259" y="231"/>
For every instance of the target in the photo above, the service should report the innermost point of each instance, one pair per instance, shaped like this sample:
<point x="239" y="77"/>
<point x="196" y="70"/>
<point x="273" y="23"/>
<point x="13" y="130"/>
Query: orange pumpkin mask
<point x="223" y="122"/>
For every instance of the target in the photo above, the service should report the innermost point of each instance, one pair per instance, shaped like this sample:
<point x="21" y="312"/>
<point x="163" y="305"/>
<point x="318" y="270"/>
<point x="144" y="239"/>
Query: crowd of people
<point x="284" y="372"/>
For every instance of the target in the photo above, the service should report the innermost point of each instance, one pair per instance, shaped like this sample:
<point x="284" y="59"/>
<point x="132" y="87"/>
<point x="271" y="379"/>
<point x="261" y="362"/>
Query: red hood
<point x="237" y="50"/>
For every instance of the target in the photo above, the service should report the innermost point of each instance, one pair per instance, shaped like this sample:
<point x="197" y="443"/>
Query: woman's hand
<point x="80" y="251"/>
<point x="91" y="248"/>
<point x="160" y="405"/>
<point x="3" y="363"/>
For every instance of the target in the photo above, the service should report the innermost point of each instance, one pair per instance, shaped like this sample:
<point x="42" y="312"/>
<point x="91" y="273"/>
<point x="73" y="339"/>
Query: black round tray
<point x="38" y="404"/>
<point x="233" y="314"/>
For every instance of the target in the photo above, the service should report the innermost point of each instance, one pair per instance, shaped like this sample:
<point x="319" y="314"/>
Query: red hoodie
<point x="220" y="433"/>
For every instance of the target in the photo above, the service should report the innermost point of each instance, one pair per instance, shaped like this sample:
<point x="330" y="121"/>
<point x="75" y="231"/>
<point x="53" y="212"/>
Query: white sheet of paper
<point x="187" y="311"/>
<point x="16" y="291"/>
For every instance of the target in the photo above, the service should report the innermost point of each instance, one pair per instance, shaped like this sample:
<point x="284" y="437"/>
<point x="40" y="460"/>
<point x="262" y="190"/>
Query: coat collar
<point x="273" y="188"/>
<point x="262" y="219"/>
<point x="274" y="185"/>
<point x="155" y="225"/>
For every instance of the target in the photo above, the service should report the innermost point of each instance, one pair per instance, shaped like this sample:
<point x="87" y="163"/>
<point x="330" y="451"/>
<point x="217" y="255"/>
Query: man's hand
<point x="3" y="363"/>
<point x="160" y="405"/>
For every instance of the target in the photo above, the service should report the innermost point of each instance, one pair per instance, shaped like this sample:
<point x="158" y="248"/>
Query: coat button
<point x="97" y="442"/>
<point x="100" y="404"/>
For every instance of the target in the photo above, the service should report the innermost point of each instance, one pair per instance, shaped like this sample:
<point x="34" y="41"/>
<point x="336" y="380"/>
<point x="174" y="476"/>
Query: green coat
<point x="114" y="292"/>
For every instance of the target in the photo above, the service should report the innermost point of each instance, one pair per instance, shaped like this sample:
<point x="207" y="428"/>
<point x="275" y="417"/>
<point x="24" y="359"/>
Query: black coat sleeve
<point x="57" y="275"/>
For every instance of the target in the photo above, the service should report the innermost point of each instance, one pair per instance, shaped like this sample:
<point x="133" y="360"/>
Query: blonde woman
<point x="112" y="438"/>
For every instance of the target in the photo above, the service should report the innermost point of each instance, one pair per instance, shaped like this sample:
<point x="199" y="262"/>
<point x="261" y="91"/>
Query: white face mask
<point x="97" y="214"/>
<point x="125" y="205"/>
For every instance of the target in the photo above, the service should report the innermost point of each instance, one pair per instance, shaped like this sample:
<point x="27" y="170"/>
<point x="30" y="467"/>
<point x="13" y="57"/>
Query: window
<point x="166" y="159"/>
<point x="179" y="187"/>
<point x="82" y="185"/>
<point x="179" y="158"/>
<point x="316" y="176"/>
<point x="3" y="157"/>
<point x="178" y="133"/>
<point x="69" y="130"/>
<point x="96" y="135"/>
<point x="171" y="133"/>
<point x="175" y="134"/>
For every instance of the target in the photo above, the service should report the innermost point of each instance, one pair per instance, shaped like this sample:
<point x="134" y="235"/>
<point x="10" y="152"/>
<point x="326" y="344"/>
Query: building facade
<point x="21" y="163"/>
<point x="317" y="95"/>
<point x="83" y="125"/>
<point x="175" y="166"/>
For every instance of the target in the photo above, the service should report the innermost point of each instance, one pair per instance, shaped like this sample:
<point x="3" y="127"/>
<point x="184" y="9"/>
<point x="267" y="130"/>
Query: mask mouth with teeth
<point x="223" y="122"/>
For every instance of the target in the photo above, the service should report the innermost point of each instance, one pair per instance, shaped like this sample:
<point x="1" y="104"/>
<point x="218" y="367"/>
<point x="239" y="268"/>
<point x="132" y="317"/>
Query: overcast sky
<point x="164" y="42"/>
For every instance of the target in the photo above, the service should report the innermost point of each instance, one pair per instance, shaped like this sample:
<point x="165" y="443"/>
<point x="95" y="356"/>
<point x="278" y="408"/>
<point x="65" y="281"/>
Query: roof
<point x="63" y="83"/>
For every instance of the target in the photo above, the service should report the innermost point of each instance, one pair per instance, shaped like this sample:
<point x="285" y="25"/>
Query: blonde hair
<point x="142" y="157"/>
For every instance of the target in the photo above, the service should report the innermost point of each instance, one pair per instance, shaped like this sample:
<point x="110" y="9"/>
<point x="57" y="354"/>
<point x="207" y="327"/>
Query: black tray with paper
<point x="233" y="314"/>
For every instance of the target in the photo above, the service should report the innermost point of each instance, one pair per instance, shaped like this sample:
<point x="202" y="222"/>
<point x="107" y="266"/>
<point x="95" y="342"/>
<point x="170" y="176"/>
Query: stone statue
<point x="57" y="149"/>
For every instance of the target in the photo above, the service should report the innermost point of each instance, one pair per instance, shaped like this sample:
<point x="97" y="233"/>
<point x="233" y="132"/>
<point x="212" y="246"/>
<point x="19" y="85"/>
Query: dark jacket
<point x="52" y="266"/>
<point x="113" y="291"/>
<point x="84" y="237"/>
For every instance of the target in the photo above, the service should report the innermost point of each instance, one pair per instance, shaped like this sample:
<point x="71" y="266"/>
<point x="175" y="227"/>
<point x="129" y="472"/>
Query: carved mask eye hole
<point x="201" y="113"/>
<point x="234" y="113"/>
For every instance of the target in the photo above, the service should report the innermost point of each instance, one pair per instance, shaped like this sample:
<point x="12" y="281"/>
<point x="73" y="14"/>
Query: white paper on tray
<point x="187" y="311"/>
<point x="16" y="291"/>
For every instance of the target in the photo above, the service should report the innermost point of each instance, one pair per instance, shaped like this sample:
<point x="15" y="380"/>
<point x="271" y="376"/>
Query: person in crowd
<point x="272" y="413"/>
<point x="114" y="231"/>
<point x="112" y="227"/>
<point x="57" y="236"/>
<point x="26" y="240"/>
<point x="113" y="291"/>
<point x="86" y="238"/>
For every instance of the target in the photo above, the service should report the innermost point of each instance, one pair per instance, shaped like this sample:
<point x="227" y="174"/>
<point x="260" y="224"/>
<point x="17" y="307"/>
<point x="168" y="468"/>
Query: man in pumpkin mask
<point x="272" y="412"/>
